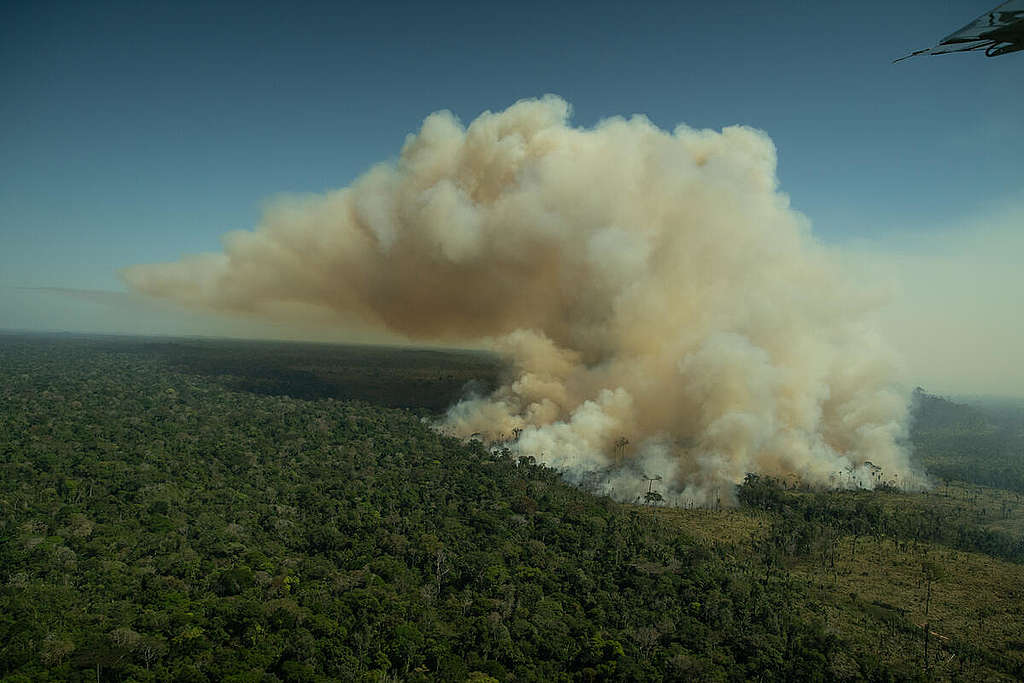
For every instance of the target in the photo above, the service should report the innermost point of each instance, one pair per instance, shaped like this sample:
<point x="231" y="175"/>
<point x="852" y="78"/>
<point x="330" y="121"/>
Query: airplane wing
<point x="998" y="32"/>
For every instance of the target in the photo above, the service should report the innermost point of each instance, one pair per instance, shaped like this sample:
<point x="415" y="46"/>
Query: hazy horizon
<point x="967" y="398"/>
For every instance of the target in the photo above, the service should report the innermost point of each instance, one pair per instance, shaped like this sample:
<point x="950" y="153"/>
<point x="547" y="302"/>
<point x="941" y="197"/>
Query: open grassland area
<point x="207" y="511"/>
<point x="962" y="504"/>
<point x="877" y="593"/>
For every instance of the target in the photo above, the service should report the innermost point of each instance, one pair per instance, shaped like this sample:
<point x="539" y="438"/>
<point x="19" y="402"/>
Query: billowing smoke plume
<point x="667" y="312"/>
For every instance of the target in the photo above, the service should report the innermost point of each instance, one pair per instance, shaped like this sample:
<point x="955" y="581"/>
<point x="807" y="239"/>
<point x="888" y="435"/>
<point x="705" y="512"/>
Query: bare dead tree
<point x="652" y="496"/>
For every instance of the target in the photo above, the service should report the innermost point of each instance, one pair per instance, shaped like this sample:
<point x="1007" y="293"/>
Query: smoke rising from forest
<point x="667" y="313"/>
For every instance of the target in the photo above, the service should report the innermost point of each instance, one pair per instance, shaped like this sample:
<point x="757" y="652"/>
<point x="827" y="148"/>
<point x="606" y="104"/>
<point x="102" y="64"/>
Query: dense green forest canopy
<point x="158" y="525"/>
<point x="212" y="511"/>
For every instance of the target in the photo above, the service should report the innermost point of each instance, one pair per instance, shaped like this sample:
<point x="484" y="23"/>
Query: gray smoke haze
<point x="955" y="308"/>
<point x="650" y="287"/>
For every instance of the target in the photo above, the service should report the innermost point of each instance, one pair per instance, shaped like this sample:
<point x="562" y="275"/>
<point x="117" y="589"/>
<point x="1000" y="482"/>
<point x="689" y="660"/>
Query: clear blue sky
<point x="139" y="132"/>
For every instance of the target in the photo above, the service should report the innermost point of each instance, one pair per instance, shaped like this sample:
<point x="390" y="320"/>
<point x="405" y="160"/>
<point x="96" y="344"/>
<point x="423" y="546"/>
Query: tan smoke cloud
<point x="667" y="312"/>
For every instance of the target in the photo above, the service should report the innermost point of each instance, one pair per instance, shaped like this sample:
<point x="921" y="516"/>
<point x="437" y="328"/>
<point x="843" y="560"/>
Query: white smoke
<point x="667" y="312"/>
